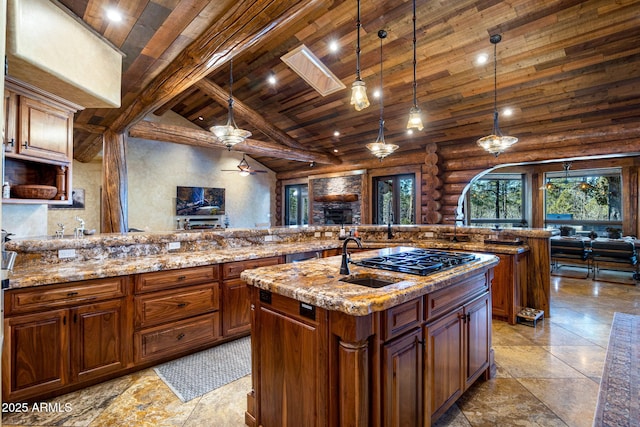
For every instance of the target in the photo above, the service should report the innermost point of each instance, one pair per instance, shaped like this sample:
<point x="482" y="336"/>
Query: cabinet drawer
<point x="179" y="337"/>
<point x="72" y="293"/>
<point x="440" y="301"/>
<point x="401" y="318"/>
<point x="232" y="270"/>
<point x="159" y="280"/>
<point x="161" y="307"/>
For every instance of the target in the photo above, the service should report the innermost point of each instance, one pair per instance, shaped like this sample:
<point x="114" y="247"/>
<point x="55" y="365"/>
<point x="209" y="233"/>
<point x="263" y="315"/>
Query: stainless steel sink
<point x="368" y="281"/>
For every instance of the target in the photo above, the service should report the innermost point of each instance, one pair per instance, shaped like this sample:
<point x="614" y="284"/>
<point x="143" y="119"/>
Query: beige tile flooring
<point x="547" y="375"/>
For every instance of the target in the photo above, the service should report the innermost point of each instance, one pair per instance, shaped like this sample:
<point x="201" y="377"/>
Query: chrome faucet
<point x="344" y="268"/>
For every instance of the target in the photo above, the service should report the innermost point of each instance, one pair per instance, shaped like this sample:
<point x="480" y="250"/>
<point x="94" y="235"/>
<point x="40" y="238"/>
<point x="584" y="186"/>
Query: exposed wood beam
<point x="240" y="29"/>
<point x="89" y="128"/>
<point x="250" y="116"/>
<point x="201" y="138"/>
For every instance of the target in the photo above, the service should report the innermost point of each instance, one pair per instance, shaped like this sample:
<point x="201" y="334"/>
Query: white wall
<point x="157" y="168"/>
<point x="154" y="171"/>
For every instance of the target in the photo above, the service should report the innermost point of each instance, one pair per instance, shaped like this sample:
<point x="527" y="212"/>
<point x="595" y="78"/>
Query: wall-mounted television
<point x="199" y="201"/>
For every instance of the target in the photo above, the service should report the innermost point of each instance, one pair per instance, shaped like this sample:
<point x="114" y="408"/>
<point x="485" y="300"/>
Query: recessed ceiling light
<point x="200" y="118"/>
<point x="114" y="15"/>
<point x="334" y="46"/>
<point x="272" y="79"/>
<point x="409" y="131"/>
<point x="507" y="112"/>
<point x="335" y="150"/>
<point x="336" y="133"/>
<point x="376" y="93"/>
<point x="482" y="59"/>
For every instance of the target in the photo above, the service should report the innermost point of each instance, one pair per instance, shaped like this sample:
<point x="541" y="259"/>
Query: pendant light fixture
<point x="358" y="89"/>
<point x="230" y="134"/>
<point x="415" y="115"/>
<point x="380" y="148"/>
<point x="496" y="143"/>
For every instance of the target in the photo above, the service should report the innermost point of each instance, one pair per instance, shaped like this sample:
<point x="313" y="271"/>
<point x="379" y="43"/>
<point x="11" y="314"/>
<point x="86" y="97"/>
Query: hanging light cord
<point x="415" y="84"/>
<point x="495" y="88"/>
<point x="358" y="43"/>
<point x="381" y="35"/>
<point x="231" y="89"/>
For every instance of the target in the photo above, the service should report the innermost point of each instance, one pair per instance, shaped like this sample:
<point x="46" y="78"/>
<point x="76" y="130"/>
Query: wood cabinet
<point x="509" y="278"/>
<point x="458" y="347"/>
<point x="404" y="366"/>
<point x="236" y="313"/>
<point x="176" y="312"/>
<point x="402" y="380"/>
<point x="47" y="349"/>
<point x="38" y="139"/>
<point x="291" y="362"/>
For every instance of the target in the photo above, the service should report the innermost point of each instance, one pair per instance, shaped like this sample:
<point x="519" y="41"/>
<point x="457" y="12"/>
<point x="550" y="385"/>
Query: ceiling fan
<point x="244" y="169"/>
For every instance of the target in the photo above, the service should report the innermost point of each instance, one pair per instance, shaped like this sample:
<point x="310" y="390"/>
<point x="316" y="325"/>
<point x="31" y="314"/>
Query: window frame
<point x="511" y="176"/>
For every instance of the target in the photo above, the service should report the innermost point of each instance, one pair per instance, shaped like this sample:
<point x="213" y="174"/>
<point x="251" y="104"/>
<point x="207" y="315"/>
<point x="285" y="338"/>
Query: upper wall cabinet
<point x="38" y="138"/>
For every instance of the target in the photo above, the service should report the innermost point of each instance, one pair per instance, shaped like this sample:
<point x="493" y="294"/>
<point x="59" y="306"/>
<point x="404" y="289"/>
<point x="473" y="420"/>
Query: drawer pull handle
<point x="180" y="337"/>
<point x="182" y="304"/>
<point x="72" y="294"/>
<point x="182" y="277"/>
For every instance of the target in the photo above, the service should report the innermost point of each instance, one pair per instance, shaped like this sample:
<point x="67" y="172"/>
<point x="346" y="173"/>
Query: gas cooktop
<point x="417" y="261"/>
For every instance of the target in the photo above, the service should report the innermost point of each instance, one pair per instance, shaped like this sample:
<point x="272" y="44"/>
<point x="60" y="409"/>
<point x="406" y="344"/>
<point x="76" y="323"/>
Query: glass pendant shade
<point x="230" y="134"/>
<point x="496" y="143"/>
<point x="358" y="89"/>
<point x="359" y="95"/>
<point x="415" y="119"/>
<point x="380" y="148"/>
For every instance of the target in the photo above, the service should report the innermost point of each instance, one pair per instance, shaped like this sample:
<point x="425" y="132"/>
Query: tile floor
<point x="547" y="375"/>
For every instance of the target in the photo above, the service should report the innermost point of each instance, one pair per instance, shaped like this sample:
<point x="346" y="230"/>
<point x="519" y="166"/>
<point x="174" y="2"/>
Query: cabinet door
<point x="444" y="362"/>
<point x="36" y="354"/>
<point x="97" y="339"/>
<point x="502" y="287"/>
<point x="402" y="381"/>
<point x="45" y="131"/>
<point x="236" y="309"/>
<point x="292" y="385"/>
<point x="10" y="120"/>
<point x="478" y="332"/>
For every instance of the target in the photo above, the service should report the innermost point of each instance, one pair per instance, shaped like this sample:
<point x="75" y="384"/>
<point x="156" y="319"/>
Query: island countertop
<point x="317" y="282"/>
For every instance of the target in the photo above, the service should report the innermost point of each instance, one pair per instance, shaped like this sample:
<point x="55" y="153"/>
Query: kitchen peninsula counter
<point x="329" y="353"/>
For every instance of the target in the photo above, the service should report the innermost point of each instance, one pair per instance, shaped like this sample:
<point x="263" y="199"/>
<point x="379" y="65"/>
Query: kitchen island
<point x="326" y="352"/>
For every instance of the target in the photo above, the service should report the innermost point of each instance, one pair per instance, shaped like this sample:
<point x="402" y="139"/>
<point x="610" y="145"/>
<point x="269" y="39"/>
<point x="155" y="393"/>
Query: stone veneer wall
<point x="351" y="184"/>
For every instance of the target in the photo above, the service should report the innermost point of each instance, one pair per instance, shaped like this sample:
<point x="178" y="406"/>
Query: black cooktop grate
<point x="417" y="261"/>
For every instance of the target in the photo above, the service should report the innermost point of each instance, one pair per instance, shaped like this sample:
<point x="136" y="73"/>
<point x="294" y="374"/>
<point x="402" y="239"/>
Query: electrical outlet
<point x="268" y="238"/>
<point x="317" y="234"/>
<point x="328" y="234"/>
<point x="66" y="253"/>
<point x="174" y="245"/>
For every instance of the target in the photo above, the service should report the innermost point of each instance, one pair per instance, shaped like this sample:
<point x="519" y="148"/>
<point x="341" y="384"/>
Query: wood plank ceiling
<point x="563" y="67"/>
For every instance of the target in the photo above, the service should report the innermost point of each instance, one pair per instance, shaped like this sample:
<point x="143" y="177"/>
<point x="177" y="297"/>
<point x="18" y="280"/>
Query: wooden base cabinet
<point x="48" y="349"/>
<point x="176" y="312"/>
<point x="404" y="366"/>
<point x="236" y="310"/>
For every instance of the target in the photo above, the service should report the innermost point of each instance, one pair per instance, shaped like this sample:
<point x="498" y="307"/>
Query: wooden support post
<point x="114" y="183"/>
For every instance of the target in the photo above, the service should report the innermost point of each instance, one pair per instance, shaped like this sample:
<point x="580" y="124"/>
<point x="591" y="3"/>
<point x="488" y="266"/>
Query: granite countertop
<point x="69" y="271"/>
<point x="317" y="282"/>
<point x="39" y="275"/>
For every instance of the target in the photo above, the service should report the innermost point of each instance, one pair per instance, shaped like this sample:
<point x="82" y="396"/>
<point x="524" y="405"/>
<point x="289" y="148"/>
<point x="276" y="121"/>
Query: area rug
<point x="619" y="394"/>
<point x="199" y="373"/>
